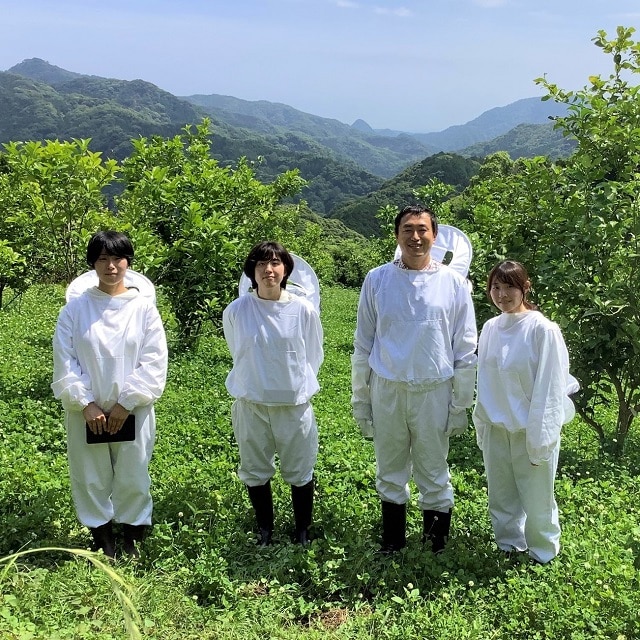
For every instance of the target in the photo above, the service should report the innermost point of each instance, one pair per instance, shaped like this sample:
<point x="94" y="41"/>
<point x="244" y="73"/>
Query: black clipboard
<point x="126" y="434"/>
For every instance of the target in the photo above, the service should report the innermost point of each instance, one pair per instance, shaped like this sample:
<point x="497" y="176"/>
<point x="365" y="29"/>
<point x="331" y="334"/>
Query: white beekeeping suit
<point x="413" y="370"/>
<point x="523" y="400"/>
<point x="275" y="337"/>
<point x="108" y="350"/>
<point x="276" y="348"/>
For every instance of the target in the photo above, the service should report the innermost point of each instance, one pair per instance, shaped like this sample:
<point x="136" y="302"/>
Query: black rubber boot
<point x="262" y="502"/>
<point x="302" y="500"/>
<point x="104" y="539"/>
<point x="133" y="535"/>
<point x="435" y="528"/>
<point x="394" y="526"/>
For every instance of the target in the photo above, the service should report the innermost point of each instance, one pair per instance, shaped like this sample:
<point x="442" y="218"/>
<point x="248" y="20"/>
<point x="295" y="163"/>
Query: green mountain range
<point x="342" y="163"/>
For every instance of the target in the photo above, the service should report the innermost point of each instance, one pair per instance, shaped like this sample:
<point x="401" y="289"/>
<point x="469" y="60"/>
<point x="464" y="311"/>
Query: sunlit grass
<point x="201" y="575"/>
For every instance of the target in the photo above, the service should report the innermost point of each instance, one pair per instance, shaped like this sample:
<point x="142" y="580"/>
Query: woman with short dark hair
<point x="110" y="366"/>
<point x="275" y="339"/>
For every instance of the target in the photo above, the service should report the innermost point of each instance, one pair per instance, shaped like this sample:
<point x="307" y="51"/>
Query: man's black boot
<point x="394" y="525"/>
<point x="302" y="500"/>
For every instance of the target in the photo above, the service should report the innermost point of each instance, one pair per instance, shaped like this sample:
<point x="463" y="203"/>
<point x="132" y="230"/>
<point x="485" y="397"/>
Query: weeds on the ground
<point x="201" y="574"/>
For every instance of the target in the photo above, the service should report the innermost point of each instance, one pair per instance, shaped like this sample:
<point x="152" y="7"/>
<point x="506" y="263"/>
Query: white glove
<point x="366" y="426"/>
<point x="457" y="422"/>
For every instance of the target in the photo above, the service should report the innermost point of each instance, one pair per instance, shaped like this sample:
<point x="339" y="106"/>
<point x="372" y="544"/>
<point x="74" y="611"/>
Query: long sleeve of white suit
<point x="465" y="340"/>
<point x="145" y="384"/>
<point x="363" y="343"/>
<point x="546" y="410"/>
<point x="71" y="384"/>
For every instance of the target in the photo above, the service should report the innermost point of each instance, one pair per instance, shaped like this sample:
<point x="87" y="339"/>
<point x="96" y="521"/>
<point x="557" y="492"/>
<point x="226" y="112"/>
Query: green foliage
<point x="195" y="221"/>
<point x="450" y="169"/>
<point x="119" y="586"/>
<point x="575" y="224"/>
<point x="526" y="141"/>
<point x="112" y="112"/>
<point x="298" y="131"/>
<point x="12" y="269"/>
<point x="353" y="259"/>
<point x="201" y="575"/>
<point x="52" y="199"/>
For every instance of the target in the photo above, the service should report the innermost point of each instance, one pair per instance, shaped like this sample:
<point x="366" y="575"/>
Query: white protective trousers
<point x="522" y="506"/>
<point x="263" y="430"/>
<point x="111" y="481"/>
<point x="410" y="422"/>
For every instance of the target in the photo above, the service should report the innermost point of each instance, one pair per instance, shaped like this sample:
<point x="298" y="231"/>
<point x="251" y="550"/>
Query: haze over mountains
<point x="341" y="162"/>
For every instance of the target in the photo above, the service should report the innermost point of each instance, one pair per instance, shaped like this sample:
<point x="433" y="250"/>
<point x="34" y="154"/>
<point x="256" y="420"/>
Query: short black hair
<point x="113" y="243"/>
<point x="267" y="251"/>
<point x="416" y="210"/>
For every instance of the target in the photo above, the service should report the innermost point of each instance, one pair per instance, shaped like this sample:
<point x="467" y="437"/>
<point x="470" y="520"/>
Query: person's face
<point x="507" y="297"/>
<point x="110" y="270"/>
<point x="415" y="236"/>
<point x="269" y="275"/>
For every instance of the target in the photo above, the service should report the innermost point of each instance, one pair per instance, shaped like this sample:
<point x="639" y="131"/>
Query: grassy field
<point x="201" y="575"/>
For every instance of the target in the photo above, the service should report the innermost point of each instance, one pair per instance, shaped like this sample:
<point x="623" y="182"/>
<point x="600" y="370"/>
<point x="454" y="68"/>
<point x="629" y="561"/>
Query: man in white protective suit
<point x="275" y="340"/>
<point x="413" y="371"/>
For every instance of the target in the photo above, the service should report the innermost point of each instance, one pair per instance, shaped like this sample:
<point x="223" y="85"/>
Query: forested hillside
<point x="526" y="141"/>
<point x="452" y="169"/>
<point x="493" y="123"/>
<point x="381" y="155"/>
<point x="341" y="163"/>
<point x="110" y="112"/>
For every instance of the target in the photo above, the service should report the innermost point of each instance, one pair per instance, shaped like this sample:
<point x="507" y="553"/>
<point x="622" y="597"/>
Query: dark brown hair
<point x="267" y="251"/>
<point x="512" y="273"/>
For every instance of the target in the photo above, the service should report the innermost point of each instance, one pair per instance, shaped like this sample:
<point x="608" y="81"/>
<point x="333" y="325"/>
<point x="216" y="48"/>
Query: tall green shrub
<point x="193" y="221"/>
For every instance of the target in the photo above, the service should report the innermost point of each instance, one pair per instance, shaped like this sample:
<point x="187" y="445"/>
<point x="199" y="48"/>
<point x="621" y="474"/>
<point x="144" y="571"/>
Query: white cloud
<point x="401" y="12"/>
<point x="347" y="4"/>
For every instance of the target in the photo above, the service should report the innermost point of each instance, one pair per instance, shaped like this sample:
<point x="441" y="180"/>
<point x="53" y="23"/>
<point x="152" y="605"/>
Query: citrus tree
<point x="194" y="221"/>
<point x="575" y="225"/>
<point x="596" y="259"/>
<point x="52" y="198"/>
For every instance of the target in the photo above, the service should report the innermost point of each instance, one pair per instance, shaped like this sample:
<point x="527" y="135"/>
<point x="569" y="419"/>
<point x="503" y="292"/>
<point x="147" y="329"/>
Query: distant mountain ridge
<point x="42" y="71"/>
<point x="493" y="123"/>
<point x="383" y="152"/>
<point x="268" y="117"/>
<point x="341" y="162"/>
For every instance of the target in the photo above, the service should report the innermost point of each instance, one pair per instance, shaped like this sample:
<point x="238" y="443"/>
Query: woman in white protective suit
<point x="110" y="365"/>
<point x="275" y="339"/>
<point x="522" y="403"/>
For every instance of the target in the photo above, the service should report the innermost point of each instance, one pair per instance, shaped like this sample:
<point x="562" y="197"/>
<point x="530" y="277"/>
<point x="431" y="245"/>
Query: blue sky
<point x="411" y="65"/>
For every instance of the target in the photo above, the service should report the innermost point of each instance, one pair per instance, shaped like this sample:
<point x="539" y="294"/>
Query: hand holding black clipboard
<point x="127" y="433"/>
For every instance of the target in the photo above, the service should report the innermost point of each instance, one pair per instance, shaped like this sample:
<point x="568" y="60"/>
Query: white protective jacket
<point x="109" y="349"/>
<point x="524" y="380"/>
<point x="276" y="346"/>
<point x="416" y="327"/>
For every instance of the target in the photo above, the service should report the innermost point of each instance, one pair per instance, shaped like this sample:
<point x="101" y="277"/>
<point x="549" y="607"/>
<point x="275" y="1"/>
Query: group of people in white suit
<point x="414" y="365"/>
